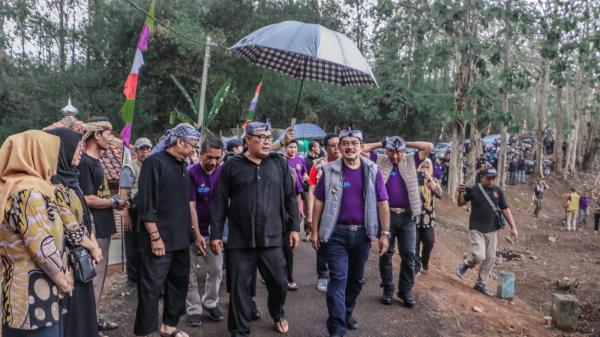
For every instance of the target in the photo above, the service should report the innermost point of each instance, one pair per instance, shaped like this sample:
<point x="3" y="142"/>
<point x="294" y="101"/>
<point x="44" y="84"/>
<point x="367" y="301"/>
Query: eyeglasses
<point x="332" y="145"/>
<point x="263" y="138"/>
<point x="195" y="146"/>
<point x="347" y="143"/>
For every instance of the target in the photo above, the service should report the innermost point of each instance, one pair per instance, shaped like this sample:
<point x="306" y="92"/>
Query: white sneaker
<point x="322" y="284"/>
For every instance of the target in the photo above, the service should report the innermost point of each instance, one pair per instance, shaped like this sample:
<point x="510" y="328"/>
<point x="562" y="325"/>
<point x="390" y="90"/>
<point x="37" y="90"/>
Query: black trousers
<point x="241" y="266"/>
<point x="132" y="250"/>
<point x="169" y="272"/>
<point x="403" y="229"/>
<point x="289" y="259"/>
<point x="425" y="236"/>
<point x="322" y="270"/>
<point x="596" y="220"/>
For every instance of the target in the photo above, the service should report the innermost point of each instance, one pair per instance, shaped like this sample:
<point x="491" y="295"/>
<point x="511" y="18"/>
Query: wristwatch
<point x="386" y="233"/>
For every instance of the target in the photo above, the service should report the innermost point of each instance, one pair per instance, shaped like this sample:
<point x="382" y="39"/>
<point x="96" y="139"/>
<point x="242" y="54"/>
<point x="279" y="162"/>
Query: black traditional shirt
<point x="259" y="201"/>
<point x="163" y="197"/>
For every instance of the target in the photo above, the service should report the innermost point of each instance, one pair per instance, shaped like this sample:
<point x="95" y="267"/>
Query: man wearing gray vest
<point x="128" y="188"/>
<point x="350" y="205"/>
<point x="399" y="172"/>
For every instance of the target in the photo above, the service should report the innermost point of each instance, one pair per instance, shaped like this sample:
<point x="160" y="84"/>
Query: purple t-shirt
<point x="298" y="165"/>
<point x="396" y="187"/>
<point x="438" y="171"/>
<point x="352" y="205"/>
<point x="584" y="202"/>
<point x="202" y="186"/>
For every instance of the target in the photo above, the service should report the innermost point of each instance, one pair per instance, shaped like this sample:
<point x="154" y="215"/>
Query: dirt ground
<point x="445" y="302"/>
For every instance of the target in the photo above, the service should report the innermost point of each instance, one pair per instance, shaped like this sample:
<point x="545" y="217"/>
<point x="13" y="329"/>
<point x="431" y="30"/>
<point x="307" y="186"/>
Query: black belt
<point x="350" y="227"/>
<point x="398" y="210"/>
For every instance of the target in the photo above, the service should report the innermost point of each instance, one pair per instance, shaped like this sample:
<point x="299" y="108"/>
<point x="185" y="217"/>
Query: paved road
<point x="306" y="308"/>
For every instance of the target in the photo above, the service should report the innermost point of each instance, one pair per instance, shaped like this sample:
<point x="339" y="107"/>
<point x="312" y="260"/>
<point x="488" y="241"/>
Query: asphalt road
<point x="306" y="309"/>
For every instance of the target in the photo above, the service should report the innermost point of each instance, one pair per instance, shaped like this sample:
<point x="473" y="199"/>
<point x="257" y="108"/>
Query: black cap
<point x="489" y="172"/>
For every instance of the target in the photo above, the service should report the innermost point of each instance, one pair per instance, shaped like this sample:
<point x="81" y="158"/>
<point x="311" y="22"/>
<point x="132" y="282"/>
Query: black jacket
<point x="164" y="198"/>
<point x="258" y="200"/>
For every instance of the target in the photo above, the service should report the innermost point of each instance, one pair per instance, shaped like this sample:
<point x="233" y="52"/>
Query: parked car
<point x="441" y="148"/>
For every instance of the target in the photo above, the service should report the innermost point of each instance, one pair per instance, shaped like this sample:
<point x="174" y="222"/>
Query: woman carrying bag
<point x="80" y="319"/>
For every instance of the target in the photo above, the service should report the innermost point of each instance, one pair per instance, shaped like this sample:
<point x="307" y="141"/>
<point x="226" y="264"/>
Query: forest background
<point x="445" y="68"/>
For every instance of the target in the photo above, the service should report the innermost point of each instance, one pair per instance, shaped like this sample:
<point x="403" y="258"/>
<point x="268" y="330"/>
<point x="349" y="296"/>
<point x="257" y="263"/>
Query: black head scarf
<point x="65" y="173"/>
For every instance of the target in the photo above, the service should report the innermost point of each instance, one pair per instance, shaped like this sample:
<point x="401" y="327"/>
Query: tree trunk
<point x="501" y="166"/>
<point x="61" y="34"/>
<point x="455" y="172"/>
<point x="558" y="149"/>
<point x="541" y="117"/>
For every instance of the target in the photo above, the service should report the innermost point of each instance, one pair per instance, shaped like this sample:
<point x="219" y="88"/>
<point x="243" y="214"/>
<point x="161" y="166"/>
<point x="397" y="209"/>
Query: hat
<point x="141" y="142"/>
<point x="489" y="172"/>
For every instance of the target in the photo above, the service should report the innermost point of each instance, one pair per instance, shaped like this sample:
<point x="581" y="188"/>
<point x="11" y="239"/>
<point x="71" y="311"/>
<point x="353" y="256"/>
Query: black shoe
<point x="214" y="313"/>
<point x="194" y="320"/>
<point x="483" y="289"/>
<point x="408" y="300"/>
<point x="351" y="323"/>
<point x="255" y="313"/>
<point x="387" y="296"/>
<point x="387" y="300"/>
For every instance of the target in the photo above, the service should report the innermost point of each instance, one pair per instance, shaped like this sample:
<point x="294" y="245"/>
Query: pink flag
<point x="126" y="134"/>
<point x="144" y="37"/>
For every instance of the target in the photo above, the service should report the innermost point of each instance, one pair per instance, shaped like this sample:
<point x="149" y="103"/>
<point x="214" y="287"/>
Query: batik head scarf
<point x="67" y="174"/>
<point x="395" y="143"/>
<point x="27" y="161"/>
<point x="181" y="131"/>
<point x="258" y="126"/>
<point x="92" y="127"/>
<point x="350" y="132"/>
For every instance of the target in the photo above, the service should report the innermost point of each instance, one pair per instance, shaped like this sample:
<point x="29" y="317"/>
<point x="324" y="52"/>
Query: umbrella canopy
<point x="307" y="51"/>
<point x="307" y="131"/>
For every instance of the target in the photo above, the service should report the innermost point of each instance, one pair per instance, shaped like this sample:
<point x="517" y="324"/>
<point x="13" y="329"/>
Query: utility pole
<point x="204" y="78"/>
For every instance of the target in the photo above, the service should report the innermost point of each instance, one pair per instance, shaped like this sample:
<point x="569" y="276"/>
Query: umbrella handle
<point x="300" y="91"/>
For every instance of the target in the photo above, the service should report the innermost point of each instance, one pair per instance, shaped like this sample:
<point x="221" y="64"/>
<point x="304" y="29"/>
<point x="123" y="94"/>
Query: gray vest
<point x="409" y="174"/>
<point x="334" y="186"/>
<point x="135" y="166"/>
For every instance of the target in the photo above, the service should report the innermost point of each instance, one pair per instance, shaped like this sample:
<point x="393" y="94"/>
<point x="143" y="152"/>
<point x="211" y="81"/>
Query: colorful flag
<point x="252" y="108"/>
<point x="131" y="83"/>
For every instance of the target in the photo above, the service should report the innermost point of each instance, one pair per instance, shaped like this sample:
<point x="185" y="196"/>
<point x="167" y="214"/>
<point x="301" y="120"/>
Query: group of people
<point x="240" y="211"/>
<point x="577" y="208"/>
<point x="55" y="229"/>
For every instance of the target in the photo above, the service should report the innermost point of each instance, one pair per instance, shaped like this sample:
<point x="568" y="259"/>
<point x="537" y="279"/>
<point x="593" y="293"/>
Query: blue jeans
<point x="404" y="230"/>
<point x="347" y="253"/>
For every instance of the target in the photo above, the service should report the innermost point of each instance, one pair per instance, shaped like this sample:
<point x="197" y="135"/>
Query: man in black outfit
<point x="165" y="238"/>
<point x="94" y="186"/>
<point x="256" y="193"/>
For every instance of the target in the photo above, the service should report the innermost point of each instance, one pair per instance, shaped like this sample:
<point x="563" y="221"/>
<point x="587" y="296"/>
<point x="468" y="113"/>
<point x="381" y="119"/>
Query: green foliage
<point x="414" y="47"/>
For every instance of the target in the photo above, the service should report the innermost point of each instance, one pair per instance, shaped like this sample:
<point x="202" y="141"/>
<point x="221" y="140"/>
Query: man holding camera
<point x="489" y="212"/>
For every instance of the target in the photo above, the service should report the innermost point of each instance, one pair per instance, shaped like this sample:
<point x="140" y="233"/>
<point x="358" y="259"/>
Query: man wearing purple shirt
<point x="350" y="206"/>
<point x="203" y="179"/>
<point x="298" y="167"/>
<point x="400" y="175"/>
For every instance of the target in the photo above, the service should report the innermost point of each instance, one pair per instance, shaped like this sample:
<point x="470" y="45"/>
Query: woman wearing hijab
<point x="31" y="237"/>
<point x="429" y="187"/>
<point x="80" y="319"/>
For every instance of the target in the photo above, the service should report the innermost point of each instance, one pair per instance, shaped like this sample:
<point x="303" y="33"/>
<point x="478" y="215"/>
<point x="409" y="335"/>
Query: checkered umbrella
<point x="307" y="51"/>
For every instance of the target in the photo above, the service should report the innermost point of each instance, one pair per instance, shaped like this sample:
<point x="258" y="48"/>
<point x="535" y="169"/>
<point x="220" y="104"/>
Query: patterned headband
<point x="182" y="130"/>
<point x="395" y="143"/>
<point x="350" y="132"/>
<point x="256" y="126"/>
<point x="92" y="127"/>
